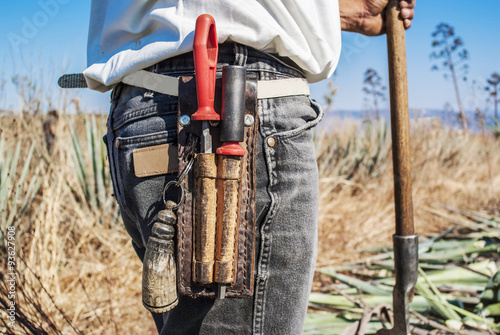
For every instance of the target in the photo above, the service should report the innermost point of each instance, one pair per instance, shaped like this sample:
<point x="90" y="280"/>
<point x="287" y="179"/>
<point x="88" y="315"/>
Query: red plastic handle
<point x="205" y="51"/>
<point x="231" y="149"/>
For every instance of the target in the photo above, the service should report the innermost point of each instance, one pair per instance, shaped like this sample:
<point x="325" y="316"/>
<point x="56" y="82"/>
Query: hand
<point x="366" y="16"/>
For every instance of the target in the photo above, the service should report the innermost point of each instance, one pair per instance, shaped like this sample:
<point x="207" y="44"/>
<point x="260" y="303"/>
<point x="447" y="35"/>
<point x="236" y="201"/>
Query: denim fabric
<point x="287" y="198"/>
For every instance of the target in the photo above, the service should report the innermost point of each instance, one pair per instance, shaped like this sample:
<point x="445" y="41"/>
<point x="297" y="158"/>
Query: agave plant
<point x="90" y="163"/>
<point x="456" y="293"/>
<point x="18" y="185"/>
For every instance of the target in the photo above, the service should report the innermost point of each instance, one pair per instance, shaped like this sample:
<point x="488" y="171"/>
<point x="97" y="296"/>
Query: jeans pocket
<point x="288" y="234"/>
<point x="288" y="116"/>
<point x="128" y="184"/>
<point x="135" y="107"/>
<point x="287" y="138"/>
<point x="308" y="123"/>
<point x="138" y="119"/>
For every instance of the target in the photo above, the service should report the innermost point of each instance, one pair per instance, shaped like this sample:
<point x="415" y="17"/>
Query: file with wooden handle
<point x="230" y="155"/>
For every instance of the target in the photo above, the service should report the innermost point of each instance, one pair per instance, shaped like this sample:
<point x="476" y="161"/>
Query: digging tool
<point x="405" y="240"/>
<point x="228" y="174"/>
<point x="205" y="50"/>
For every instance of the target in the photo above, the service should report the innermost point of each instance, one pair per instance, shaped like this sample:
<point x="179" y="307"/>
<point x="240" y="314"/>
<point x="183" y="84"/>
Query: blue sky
<point x="47" y="38"/>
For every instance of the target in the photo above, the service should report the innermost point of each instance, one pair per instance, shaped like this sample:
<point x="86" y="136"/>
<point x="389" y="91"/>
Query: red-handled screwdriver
<point x="205" y="51"/>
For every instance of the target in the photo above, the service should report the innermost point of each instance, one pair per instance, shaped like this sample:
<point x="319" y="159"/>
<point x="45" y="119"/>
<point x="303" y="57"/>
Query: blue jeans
<point x="287" y="198"/>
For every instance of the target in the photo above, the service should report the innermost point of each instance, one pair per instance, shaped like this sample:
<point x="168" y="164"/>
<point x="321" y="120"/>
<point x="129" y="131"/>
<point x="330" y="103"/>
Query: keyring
<point x="176" y="183"/>
<point x="186" y="169"/>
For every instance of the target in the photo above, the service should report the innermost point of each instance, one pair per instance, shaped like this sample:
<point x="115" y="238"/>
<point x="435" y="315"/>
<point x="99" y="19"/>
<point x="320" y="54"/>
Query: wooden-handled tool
<point x="205" y="50"/>
<point x="405" y="240"/>
<point x="228" y="178"/>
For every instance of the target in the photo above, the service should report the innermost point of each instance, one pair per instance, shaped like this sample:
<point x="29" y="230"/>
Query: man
<point x="274" y="40"/>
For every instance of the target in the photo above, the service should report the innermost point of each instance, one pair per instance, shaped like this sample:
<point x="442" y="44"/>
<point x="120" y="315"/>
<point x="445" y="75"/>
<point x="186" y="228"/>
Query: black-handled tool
<point x="233" y="110"/>
<point x="228" y="174"/>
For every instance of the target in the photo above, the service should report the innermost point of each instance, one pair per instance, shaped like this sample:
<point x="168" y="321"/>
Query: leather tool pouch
<point x="189" y="145"/>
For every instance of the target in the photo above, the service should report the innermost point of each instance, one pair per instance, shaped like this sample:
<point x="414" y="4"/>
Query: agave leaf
<point x="13" y="163"/>
<point x="100" y="161"/>
<point x="330" y="299"/>
<point x="418" y="304"/>
<point x="81" y="168"/>
<point x="91" y="186"/>
<point x="461" y="276"/>
<point x="324" y="324"/>
<point x="457" y="254"/>
<point x="13" y="168"/>
<point x="492" y="310"/>
<point x="446" y="245"/>
<point x="32" y="191"/>
<point x="19" y="189"/>
<point x="435" y="299"/>
<point x="4" y="164"/>
<point x="361" y="285"/>
<point x="446" y="307"/>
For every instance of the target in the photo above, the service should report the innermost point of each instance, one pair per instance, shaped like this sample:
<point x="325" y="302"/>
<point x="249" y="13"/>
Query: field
<point x="76" y="269"/>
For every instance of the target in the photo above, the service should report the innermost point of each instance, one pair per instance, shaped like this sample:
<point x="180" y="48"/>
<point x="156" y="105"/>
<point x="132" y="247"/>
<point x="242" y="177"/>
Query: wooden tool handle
<point x="227" y="219"/>
<point x="205" y="218"/>
<point x="400" y="123"/>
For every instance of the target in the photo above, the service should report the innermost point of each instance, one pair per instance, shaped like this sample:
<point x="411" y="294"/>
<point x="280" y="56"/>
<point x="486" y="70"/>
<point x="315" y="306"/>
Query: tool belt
<point x="241" y="182"/>
<point x="188" y="145"/>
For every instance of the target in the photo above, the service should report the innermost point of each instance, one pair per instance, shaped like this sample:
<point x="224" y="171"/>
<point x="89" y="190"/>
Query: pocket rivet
<point x="184" y="120"/>
<point x="117" y="143"/>
<point x="271" y="141"/>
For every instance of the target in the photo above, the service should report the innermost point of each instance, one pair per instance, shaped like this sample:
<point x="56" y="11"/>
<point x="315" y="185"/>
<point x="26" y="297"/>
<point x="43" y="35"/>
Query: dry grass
<point x="357" y="208"/>
<point x="77" y="271"/>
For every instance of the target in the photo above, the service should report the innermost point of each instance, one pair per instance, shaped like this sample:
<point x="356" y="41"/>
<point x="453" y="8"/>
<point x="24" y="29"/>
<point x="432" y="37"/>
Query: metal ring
<point x="186" y="169"/>
<point x="176" y="183"/>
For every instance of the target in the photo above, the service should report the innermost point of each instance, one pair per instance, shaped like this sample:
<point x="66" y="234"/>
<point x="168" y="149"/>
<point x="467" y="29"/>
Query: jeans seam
<point x="266" y="243"/>
<point x="140" y="113"/>
<point x="165" y="135"/>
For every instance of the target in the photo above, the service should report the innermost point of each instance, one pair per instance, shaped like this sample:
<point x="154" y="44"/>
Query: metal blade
<point x="206" y="138"/>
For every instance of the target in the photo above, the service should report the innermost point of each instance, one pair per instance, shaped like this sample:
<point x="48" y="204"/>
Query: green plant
<point x="90" y="163"/>
<point x="455" y="267"/>
<point x="17" y="188"/>
<point x="363" y="153"/>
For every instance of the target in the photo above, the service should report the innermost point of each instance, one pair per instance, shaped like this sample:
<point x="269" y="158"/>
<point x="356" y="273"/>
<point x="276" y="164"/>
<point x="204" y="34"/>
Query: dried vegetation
<point x="76" y="269"/>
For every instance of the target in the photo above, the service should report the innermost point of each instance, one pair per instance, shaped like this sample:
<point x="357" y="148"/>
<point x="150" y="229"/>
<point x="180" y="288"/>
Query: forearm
<point x="366" y="16"/>
<point x="351" y="14"/>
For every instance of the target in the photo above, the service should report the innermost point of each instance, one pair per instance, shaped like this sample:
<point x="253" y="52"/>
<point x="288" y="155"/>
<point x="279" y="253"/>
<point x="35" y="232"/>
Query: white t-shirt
<point x="129" y="35"/>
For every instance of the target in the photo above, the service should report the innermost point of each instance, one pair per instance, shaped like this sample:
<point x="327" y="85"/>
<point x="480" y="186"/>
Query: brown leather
<point x="155" y="160"/>
<point x="188" y="138"/>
